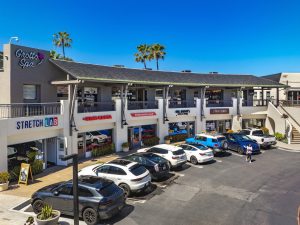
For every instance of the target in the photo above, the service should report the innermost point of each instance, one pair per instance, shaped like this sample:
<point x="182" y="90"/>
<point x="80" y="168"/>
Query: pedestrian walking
<point x="249" y="153"/>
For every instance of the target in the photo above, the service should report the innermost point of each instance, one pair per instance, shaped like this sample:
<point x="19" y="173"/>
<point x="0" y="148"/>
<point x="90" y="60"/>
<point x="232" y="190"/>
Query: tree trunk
<point x="145" y="66"/>
<point x="157" y="64"/>
<point x="63" y="48"/>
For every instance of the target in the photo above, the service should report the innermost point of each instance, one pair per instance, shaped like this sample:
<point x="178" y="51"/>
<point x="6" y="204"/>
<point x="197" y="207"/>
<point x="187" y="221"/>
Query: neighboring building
<point x="61" y="107"/>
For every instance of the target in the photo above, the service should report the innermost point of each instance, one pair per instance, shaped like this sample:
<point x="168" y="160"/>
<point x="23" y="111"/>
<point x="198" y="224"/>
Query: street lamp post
<point x="74" y="158"/>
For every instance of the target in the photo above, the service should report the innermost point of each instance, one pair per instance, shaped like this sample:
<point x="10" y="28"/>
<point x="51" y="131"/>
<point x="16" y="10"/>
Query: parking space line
<point x="136" y="200"/>
<point x="236" y="154"/>
<point x="218" y="160"/>
<point x="196" y="166"/>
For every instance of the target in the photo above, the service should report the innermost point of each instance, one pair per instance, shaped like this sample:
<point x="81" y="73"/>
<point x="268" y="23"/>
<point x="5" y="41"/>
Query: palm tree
<point x="157" y="52"/>
<point x="62" y="39"/>
<point x="143" y="54"/>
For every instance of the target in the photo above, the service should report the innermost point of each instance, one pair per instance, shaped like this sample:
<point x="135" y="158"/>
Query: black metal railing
<point x="86" y="107"/>
<point x="182" y="104"/>
<point x="135" y="105"/>
<point x="257" y="102"/>
<point x="219" y="103"/>
<point x="15" y="110"/>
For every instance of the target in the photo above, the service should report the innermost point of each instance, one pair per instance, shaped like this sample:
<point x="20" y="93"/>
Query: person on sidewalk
<point x="249" y="153"/>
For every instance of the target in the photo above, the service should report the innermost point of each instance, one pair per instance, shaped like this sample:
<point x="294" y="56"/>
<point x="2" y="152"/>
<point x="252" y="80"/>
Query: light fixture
<point x="124" y="123"/>
<point x="166" y="119"/>
<point x="13" y="38"/>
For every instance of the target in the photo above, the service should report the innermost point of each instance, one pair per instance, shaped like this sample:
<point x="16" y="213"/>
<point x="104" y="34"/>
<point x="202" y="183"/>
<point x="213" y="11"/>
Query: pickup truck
<point x="265" y="141"/>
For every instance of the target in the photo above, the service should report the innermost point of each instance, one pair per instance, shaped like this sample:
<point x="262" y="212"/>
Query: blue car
<point x="239" y="142"/>
<point x="216" y="142"/>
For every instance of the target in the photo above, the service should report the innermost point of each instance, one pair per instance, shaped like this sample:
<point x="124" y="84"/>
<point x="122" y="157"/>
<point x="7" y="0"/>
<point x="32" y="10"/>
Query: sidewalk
<point x="290" y="147"/>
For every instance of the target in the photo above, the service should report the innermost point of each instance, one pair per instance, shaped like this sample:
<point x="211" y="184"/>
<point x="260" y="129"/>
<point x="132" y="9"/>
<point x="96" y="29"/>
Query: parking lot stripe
<point x="219" y="160"/>
<point x="236" y="154"/>
<point x="196" y="166"/>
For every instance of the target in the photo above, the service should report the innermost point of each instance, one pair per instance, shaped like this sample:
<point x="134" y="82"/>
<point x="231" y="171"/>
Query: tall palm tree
<point x="157" y="52"/>
<point x="143" y="54"/>
<point x="62" y="39"/>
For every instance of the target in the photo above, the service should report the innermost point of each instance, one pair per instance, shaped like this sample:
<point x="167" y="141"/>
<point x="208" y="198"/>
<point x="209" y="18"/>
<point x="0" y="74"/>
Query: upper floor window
<point x="29" y="92"/>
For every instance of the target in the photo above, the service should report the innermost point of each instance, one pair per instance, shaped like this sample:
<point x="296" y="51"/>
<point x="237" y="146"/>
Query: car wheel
<point x="37" y="206"/>
<point x="240" y="151"/>
<point x="193" y="160"/>
<point x="90" y="216"/>
<point x="126" y="189"/>
<point x="225" y="145"/>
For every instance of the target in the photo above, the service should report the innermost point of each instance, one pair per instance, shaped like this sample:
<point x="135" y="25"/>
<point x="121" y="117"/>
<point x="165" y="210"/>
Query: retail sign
<point x="29" y="59"/>
<point x="142" y="114"/>
<point x="219" y="111"/>
<point x="92" y="118"/>
<point x="182" y="112"/>
<point x="46" y="122"/>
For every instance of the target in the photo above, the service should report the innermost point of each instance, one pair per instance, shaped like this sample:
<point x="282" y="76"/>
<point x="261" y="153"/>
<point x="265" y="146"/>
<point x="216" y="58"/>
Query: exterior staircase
<point x="295" y="136"/>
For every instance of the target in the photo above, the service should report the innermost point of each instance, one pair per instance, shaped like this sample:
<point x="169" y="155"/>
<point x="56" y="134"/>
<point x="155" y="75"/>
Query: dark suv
<point x="98" y="198"/>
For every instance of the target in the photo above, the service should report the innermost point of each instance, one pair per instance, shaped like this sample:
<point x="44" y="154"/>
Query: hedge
<point x="103" y="150"/>
<point x="151" y="141"/>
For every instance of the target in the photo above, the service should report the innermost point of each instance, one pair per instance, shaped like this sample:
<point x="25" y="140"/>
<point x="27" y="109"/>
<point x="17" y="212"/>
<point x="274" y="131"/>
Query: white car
<point x="197" y="153"/>
<point x="265" y="141"/>
<point x="130" y="176"/>
<point x="174" y="154"/>
<point x="96" y="137"/>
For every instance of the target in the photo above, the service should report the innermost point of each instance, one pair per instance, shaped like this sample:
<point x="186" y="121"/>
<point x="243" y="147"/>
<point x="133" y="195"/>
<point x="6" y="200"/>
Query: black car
<point x="157" y="166"/>
<point x="98" y="198"/>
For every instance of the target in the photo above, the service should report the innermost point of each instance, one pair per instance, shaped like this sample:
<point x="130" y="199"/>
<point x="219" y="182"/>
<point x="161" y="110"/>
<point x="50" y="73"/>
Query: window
<point x="255" y="95"/>
<point x="178" y="152"/>
<point x="65" y="189"/>
<point x="103" y="169"/>
<point x="108" y="190"/>
<point x="83" y="192"/>
<point x="116" y="170"/>
<point x="137" y="169"/>
<point x="245" y="132"/>
<point x="158" y="150"/>
<point x="268" y="94"/>
<point x="29" y="92"/>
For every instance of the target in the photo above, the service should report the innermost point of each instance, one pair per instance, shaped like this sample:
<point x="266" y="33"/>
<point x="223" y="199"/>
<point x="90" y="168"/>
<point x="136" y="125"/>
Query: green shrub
<point x="279" y="136"/>
<point x="4" y="177"/>
<point x="14" y="173"/>
<point x="103" y="150"/>
<point x="37" y="167"/>
<point x="125" y="145"/>
<point x="151" y="141"/>
<point x="31" y="156"/>
<point x="265" y="130"/>
<point x="46" y="213"/>
<point x="178" y="137"/>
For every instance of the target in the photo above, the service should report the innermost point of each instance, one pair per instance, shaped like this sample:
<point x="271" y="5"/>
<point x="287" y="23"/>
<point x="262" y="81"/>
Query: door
<point x="64" y="200"/>
<point x="232" y="142"/>
<point x="134" y="137"/>
<point x="103" y="171"/>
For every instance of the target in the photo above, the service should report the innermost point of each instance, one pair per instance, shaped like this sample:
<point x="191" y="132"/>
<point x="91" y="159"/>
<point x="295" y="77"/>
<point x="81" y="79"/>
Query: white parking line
<point x="196" y="166"/>
<point x="236" y="154"/>
<point x="218" y="160"/>
<point x="161" y="185"/>
<point x="136" y="200"/>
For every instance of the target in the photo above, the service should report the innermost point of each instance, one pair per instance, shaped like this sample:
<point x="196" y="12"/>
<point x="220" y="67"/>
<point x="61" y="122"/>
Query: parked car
<point x="98" y="198"/>
<point x="175" y="155"/>
<point x="130" y="176"/>
<point x="239" y="142"/>
<point x="265" y="141"/>
<point x="197" y="153"/>
<point x="157" y="166"/>
<point x="216" y="142"/>
<point x="96" y="137"/>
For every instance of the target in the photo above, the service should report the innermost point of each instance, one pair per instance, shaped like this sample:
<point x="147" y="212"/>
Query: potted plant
<point x="48" y="216"/>
<point x="167" y="139"/>
<point x="4" y="181"/>
<point x="125" y="147"/>
<point x="88" y="153"/>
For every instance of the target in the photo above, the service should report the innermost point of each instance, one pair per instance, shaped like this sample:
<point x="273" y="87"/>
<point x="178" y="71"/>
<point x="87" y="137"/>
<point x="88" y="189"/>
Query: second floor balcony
<point x="86" y="107"/>
<point x="136" y="105"/>
<point x="182" y="104"/>
<point x="218" y="103"/>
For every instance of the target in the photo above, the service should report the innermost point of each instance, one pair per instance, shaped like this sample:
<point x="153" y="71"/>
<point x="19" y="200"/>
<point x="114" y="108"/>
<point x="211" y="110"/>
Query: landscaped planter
<point x="125" y="149"/>
<point x="4" y="186"/>
<point x="51" y="221"/>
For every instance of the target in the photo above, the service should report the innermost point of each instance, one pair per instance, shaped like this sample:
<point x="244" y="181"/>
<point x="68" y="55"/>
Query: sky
<point x="258" y="37"/>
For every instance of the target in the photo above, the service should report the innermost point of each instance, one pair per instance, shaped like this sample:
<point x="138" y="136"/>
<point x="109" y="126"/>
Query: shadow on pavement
<point x="223" y="154"/>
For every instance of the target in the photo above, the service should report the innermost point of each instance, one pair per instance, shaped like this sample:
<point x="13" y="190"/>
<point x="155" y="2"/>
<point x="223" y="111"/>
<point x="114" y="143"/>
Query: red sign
<point x="143" y="114"/>
<point x="103" y="117"/>
<point x="219" y="111"/>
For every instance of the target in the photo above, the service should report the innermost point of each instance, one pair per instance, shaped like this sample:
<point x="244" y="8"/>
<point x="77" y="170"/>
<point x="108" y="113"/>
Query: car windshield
<point x="155" y="158"/>
<point x="178" y="152"/>
<point x="108" y="189"/>
<point x="137" y="169"/>
<point x="258" y="133"/>
<point x="201" y="147"/>
<point x="221" y="139"/>
<point x="242" y="138"/>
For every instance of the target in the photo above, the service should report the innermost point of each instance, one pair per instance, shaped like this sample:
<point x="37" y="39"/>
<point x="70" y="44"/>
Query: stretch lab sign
<point x="28" y="124"/>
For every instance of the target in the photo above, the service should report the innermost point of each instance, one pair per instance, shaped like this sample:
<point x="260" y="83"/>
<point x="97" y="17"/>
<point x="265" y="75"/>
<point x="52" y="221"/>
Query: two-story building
<point x="61" y="107"/>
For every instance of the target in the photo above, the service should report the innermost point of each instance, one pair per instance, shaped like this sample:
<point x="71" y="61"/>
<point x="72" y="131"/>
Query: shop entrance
<point x="187" y="128"/>
<point x="137" y="134"/>
<point x="219" y="126"/>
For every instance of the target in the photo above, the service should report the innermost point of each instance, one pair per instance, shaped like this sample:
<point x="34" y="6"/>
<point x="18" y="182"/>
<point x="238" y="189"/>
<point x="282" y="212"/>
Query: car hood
<point x="253" y="143"/>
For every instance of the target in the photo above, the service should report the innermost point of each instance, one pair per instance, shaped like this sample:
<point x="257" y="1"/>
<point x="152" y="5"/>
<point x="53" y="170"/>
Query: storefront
<point x="256" y="123"/>
<point x="187" y="128"/>
<point x="137" y="134"/>
<point x="219" y="126"/>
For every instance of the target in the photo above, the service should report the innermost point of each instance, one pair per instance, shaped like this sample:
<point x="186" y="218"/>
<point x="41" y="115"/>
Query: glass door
<point x="134" y="137"/>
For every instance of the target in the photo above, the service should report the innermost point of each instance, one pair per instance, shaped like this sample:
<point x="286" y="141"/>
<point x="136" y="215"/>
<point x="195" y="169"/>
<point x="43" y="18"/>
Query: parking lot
<point x="227" y="191"/>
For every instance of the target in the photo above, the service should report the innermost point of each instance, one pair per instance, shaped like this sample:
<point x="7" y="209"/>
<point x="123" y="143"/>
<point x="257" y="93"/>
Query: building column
<point x="262" y="97"/>
<point x="3" y="146"/>
<point x="277" y="97"/>
<point x="202" y="96"/>
<point x="238" y="109"/>
<point x="120" y="131"/>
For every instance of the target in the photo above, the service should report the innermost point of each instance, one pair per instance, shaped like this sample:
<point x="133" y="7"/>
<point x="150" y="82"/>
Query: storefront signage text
<point x="47" y="122"/>
<point x="219" y="111"/>
<point x="182" y="112"/>
<point x="92" y="118"/>
<point x="29" y="59"/>
<point x="143" y="114"/>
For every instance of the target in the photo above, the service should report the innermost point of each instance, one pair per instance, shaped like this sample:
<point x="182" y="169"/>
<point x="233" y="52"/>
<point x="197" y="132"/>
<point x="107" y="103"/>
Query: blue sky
<point x="229" y="36"/>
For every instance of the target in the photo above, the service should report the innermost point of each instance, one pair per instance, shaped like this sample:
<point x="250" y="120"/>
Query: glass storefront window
<point x="182" y="128"/>
<point x="139" y="133"/>
<point x="93" y="139"/>
<point x="29" y="92"/>
<point x="256" y="123"/>
<point x="219" y="126"/>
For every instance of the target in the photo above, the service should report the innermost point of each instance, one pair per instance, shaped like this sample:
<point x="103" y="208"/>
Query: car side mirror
<point x="56" y="193"/>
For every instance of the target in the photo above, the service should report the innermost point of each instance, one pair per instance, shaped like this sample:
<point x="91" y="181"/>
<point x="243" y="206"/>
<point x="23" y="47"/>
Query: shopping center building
<point x="62" y="107"/>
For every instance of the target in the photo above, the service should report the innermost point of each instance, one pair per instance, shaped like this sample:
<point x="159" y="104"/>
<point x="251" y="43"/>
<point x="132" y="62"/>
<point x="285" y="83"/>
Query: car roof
<point x="121" y="162"/>
<point x="93" y="181"/>
<point x="145" y="154"/>
<point x="210" y="135"/>
<point x="168" y="147"/>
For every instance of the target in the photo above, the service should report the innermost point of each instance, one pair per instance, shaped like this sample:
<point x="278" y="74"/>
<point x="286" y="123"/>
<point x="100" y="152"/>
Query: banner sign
<point x="46" y="122"/>
<point x="25" y="171"/>
<point x="219" y="111"/>
<point x="92" y="118"/>
<point x="29" y="59"/>
<point x="143" y="114"/>
<point x="182" y="112"/>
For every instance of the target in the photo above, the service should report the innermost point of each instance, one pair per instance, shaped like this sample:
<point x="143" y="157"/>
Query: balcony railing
<point x="29" y="109"/>
<point x="257" y="102"/>
<point x="219" y="103"/>
<point x="135" y="105"/>
<point x="182" y="104"/>
<point x="292" y="103"/>
<point x="87" y="107"/>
